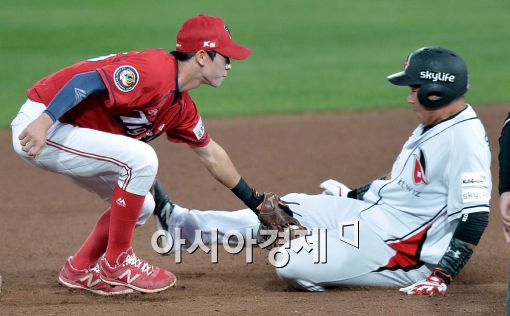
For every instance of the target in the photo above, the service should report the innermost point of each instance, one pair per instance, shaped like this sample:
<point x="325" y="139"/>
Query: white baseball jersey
<point x="440" y="174"/>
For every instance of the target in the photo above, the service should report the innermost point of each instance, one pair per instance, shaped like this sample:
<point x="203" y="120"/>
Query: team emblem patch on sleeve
<point x="475" y="188"/>
<point x="126" y="78"/>
<point x="474" y="179"/>
<point x="199" y="129"/>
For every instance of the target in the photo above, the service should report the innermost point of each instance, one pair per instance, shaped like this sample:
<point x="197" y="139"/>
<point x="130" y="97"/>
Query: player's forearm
<point x="45" y="120"/>
<point x="218" y="163"/>
<point x="467" y="235"/>
<point x="225" y="172"/>
<point x="73" y="92"/>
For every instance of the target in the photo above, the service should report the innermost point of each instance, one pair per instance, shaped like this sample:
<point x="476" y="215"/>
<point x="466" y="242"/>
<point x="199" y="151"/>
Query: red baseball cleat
<point x="134" y="273"/>
<point x="88" y="279"/>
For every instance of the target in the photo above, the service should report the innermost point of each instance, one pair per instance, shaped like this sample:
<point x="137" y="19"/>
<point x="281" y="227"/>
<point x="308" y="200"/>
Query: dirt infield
<point x="44" y="218"/>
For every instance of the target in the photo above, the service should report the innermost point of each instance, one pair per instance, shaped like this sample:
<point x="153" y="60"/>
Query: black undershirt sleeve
<point x="471" y="227"/>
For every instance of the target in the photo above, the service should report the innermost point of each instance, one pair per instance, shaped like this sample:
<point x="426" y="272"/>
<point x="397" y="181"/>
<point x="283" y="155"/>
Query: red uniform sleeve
<point x="191" y="130"/>
<point x="138" y="79"/>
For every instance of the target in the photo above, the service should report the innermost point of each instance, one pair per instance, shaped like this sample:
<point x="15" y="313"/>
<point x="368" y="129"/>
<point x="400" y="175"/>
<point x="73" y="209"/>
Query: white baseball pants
<point x="345" y="264"/>
<point x="95" y="160"/>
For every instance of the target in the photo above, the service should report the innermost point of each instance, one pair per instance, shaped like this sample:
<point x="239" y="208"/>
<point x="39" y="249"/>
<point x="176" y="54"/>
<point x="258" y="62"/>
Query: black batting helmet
<point x="438" y="72"/>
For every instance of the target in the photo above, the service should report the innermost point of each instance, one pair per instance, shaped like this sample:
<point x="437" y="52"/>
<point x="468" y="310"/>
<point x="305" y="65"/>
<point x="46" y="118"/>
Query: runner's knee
<point x="295" y="277"/>
<point x="293" y="268"/>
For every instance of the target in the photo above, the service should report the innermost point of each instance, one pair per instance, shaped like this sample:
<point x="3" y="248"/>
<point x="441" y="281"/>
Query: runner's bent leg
<point x="343" y="263"/>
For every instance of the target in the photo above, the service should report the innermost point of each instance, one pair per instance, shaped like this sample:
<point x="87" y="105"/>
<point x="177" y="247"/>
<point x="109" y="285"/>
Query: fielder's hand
<point x="435" y="284"/>
<point x="275" y="218"/>
<point x="333" y="187"/>
<point x="274" y="213"/>
<point x="33" y="137"/>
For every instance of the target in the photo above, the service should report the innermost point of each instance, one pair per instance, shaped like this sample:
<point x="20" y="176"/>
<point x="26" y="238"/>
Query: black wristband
<point x="442" y="275"/>
<point x="455" y="258"/>
<point x="358" y="193"/>
<point x="248" y="195"/>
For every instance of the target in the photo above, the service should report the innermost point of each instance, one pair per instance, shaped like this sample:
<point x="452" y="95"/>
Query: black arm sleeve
<point x="504" y="157"/>
<point x="471" y="227"/>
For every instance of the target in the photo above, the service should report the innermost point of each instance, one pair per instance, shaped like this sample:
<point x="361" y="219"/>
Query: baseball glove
<point x="274" y="214"/>
<point x="276" y="222"/>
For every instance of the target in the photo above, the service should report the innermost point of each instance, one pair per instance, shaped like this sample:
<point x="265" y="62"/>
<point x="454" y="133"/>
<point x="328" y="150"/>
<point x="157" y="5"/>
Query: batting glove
<point x="435" y="284"/>
<point x="333" y="187"/>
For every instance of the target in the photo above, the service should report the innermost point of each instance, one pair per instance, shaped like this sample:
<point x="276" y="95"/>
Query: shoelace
<point x="136" y="262"/>
<point x="95" y="269"/>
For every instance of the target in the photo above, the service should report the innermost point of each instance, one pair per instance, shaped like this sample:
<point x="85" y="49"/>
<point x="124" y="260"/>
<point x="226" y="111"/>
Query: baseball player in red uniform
<point x="416" y="227"/>
<point x="91" y="122"/>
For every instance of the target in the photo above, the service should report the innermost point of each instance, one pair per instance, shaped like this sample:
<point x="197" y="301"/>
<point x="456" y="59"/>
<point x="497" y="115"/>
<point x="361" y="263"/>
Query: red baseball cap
<point x="209" y="33"/>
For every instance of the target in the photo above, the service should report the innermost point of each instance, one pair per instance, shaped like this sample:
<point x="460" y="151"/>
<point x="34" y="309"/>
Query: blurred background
<point x="308" y="55"/>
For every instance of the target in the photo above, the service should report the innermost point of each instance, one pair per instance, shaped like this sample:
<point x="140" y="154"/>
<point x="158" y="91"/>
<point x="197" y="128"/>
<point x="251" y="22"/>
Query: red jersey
<point x="143" y="98"/>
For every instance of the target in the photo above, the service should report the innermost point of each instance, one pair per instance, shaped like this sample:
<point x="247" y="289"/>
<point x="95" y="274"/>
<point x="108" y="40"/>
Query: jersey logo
<point x="135" y="123"/>
<point x="125" y="78"/>
<point x="89" y="278"/>
<point x="79" y="94"/>
<point x="120" y="201"/>
<point x="211" y="44"/>
<point x="129" y="278"/>
<point x="419" y="168"/>
<point x="475" y="187"/>
<point x="199" y="129"/>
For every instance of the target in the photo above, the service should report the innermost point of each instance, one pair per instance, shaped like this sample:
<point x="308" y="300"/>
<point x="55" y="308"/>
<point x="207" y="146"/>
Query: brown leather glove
<point x="276" y="218"/>
<point x="272" y="214"/>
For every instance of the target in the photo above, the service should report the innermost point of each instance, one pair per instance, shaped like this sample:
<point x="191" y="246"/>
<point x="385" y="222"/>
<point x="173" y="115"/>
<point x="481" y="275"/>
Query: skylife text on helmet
<point x="437" y="76"/>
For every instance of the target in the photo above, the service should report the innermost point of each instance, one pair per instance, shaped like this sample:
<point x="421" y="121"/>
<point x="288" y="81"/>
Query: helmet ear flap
<point x="442" y="95"/>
